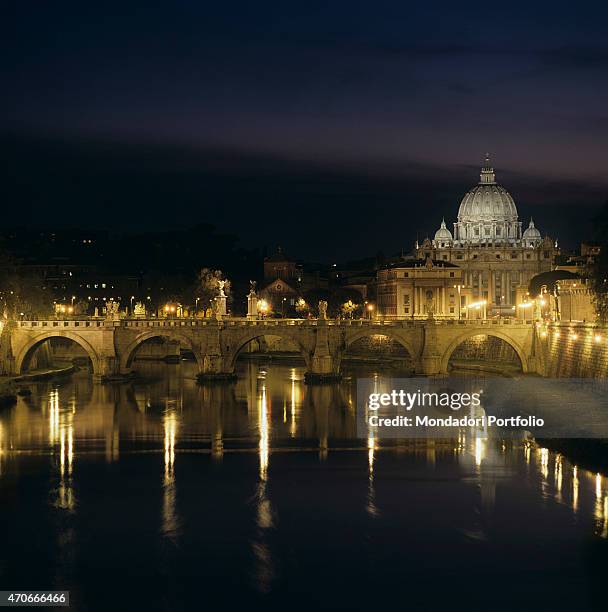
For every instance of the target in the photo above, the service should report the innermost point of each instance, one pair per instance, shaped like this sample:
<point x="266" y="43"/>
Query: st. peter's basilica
<point x="491" y="259"/>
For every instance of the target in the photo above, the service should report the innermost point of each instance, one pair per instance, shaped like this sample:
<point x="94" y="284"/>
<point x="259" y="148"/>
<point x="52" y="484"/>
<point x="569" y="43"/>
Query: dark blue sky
<point x="356" y="123"/>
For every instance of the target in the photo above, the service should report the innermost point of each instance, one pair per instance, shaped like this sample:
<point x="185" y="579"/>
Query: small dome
<point x="531" y="233"/>
<point x="443" y="234"/>
<point x="487" y="201"/>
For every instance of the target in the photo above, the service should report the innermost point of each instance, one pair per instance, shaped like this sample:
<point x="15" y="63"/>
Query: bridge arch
<point x="456" y="342"/>
<point x="127" y="356"/>
<point x="388" y="332"/>
<point x="34" y="342"/>
<point x="235" y="350"/>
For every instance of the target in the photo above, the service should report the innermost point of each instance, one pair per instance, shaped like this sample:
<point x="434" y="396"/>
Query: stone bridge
<point x="112" y="344"/>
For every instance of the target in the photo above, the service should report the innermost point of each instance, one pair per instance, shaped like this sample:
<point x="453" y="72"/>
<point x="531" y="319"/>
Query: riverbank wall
<point x="575" y="350"/>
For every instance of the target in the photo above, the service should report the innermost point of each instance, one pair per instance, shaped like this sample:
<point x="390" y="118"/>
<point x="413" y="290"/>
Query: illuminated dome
<point x="531" y="236"/>
<point x="487" y="200"/>
<point x="487" y="212"/>
<point x="443" y="236"/>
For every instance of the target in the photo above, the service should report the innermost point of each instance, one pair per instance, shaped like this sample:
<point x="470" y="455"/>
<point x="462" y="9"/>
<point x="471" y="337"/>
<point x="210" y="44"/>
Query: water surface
<point x="164" y="495"/>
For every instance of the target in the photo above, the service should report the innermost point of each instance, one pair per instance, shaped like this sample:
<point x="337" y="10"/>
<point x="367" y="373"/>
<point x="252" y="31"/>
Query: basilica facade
<point x="484" y="266"/>
<point x="496" y="255"/>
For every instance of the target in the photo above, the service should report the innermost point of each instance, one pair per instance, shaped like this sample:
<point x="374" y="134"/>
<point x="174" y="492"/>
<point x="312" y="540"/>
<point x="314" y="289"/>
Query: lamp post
<point x="524" y="306"/>
<point x="132" y="298"/>
<point x="196" y="306"/>
<point x="370" y="309"/>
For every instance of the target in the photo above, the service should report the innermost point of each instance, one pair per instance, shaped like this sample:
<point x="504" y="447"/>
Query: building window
<point x="406" y="274"/>
<point x="513" y="255"/>
<point x="451" y="274"/>
<point x="406" y="299"/>
<point x="497" y="255"/>
<point x="451" y="309"/>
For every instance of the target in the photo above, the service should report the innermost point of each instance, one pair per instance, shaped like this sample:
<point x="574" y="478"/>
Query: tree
<point x="313" y="296"/>
<point x="341" y="296"/>
<point x="302" y="308"/>
<point x="598" y="270"/>
<point x="21" y="294"/>
<point x="335" y="298"/>
<point x="348" y="308"/>
<point x="208" y="287"/>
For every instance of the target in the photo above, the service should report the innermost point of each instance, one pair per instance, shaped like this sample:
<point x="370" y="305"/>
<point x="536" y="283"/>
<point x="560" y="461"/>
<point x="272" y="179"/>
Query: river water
<point x="164" y="495"/>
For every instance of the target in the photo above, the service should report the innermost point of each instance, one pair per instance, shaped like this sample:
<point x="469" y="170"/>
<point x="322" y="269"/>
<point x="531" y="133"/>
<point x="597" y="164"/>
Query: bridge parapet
<point x="111" y="344"/>
<point x="242" y="321"/>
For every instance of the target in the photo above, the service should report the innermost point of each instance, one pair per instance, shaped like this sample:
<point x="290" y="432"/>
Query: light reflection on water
<point x="308" y="463"/>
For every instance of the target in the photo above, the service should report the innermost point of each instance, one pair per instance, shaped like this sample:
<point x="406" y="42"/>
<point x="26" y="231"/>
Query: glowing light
<point x="573" y="336"/>
<point x="264" y="433"/>
<point x="371" y="447"/>
<point x="53" y="416"/>
<point x="170" y="427"/>
<point x="597" y="338"/>
<point x="558" y="475"/>
<point x="479" y="451"/>
<point x="544" y="462"/>
<point x="543" y="334"/>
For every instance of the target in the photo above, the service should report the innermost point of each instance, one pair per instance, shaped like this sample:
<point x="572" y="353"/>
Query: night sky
<point x="336" y="129"/>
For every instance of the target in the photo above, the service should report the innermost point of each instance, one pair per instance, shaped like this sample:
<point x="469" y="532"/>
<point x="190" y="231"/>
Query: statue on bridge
<point x="113" y="310"/>
<point x="252" y="301"/>
<point x="139" y="311"/>
<point x="322" y="309"/>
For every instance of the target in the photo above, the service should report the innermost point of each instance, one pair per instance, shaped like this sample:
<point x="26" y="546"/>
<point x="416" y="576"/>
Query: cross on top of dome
<point x="487" y="176"/>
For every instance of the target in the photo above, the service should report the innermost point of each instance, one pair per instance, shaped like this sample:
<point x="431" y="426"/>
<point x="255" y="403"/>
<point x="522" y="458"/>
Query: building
<point x="575" y="301"/>
<point x="282" y="278"/>
<point x="497" y="258"/>
<point x="281" y="266"/>
<point x="419" y="288"/>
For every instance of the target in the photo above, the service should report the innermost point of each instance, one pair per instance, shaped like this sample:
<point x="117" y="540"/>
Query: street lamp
<point x="370" y="309"/>
<point x="196" y="306"/>
<point x="525" y="306"/>
<point x="263" y="307"/>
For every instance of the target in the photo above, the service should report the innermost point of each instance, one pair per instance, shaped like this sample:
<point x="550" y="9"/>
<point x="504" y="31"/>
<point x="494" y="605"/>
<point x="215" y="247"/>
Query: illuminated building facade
<point x="496" y="257"/>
